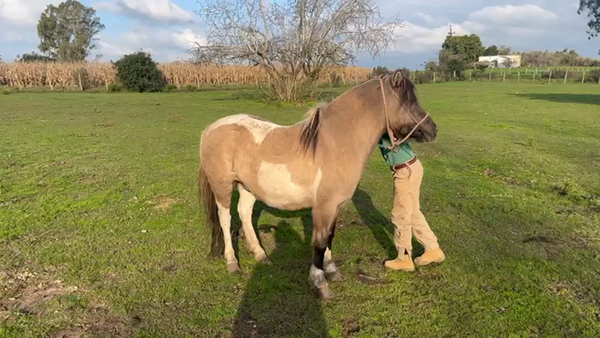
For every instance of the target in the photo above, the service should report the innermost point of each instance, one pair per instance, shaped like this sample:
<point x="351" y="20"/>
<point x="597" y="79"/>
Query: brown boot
<point x="431" y="256"/>
<point x="403" y="263"/>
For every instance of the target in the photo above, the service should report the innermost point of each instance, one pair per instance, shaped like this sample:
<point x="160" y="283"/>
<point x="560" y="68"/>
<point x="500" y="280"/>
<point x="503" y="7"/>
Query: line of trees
<point x="461" y="52"/>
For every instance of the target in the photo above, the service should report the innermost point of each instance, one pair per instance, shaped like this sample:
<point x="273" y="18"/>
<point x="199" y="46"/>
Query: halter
<point x="393" y="139"/>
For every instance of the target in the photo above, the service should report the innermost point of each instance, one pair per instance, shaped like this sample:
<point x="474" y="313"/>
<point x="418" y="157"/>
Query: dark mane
<point x="309" y="131"/>
<point x="407" y="93"/>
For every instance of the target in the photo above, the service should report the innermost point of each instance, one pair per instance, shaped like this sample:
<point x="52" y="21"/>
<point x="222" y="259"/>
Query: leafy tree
<point x="431" y="66"/>
<point x="67" y="32"/>
<point x="138" y="72"/>
<point x="592" y="7"/>
<point x="491" y="51"/>
<point x="504" y="50"/>
<point x="456" y="66"/>
<point x="467" y="48"/>
<point x="33" y="57"/>
<point x="380" y="70"/>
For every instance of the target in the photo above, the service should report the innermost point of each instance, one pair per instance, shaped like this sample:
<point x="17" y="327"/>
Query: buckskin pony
<point x="314" y="164"/>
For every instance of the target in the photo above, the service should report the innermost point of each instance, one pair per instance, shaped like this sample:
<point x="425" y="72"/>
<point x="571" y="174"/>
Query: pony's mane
<point x="309" y="130"/>
<point x="407" y="93"/>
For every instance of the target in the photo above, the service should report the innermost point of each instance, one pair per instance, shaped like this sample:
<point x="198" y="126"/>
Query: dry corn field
<point x="95" y="74"/>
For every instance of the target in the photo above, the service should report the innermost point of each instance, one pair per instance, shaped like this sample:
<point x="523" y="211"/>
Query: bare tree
<point x="293" y="40"/>
<point x="507" y="62"/>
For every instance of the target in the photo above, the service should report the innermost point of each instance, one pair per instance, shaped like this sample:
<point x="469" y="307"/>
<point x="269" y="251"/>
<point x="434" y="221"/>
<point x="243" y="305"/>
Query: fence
<point x="86" y="75"/>
<point x="527" y="75"/>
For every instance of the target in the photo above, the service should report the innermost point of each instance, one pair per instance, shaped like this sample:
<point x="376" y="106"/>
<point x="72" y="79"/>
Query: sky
<point x="167" y="28"/>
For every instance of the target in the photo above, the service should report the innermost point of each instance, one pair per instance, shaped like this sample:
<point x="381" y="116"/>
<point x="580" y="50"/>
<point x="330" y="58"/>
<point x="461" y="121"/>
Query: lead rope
<point x="395" y="142"/>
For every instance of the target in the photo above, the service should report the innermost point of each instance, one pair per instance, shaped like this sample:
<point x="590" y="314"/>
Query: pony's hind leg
<point x="223" y="199"/>
<point x="245" y="208"/>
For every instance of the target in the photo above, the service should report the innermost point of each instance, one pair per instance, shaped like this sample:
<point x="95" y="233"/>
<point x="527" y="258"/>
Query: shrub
<point x="170" y="88"/>
<point x="138" y="72"/>
<point x="113" y="88"/>
<point x="380" y="70"/>
<point x="593" y="76"/>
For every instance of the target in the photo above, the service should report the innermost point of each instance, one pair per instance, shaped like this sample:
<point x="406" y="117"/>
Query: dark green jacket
<point x="400" y="154"/>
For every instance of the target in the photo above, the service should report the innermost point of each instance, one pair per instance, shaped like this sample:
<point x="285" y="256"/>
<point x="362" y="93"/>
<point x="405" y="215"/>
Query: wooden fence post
<point x="490" y="77"/>
<point x="566" y="73"/>
<point x="550" y="76"/>
<point x="583" y="77"/>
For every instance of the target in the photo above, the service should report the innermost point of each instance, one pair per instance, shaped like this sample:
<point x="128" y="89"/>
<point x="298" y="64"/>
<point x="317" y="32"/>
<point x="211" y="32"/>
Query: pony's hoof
<point x="324" y="293"/>
<point x="264" y="260"/>
<point x="335" y="276"/>
<point x="233" y="268"/>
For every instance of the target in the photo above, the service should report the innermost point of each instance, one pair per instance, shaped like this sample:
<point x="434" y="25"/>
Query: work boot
<point x="403" y="263"/>
<point x="430" y="256"/>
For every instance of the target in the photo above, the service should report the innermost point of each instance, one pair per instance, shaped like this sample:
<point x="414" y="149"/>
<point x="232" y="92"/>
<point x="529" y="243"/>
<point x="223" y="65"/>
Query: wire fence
<point x="526" y="75"/>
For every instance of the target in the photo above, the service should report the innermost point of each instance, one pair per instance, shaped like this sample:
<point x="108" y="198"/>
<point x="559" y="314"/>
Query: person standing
<point x="406" y="212"/>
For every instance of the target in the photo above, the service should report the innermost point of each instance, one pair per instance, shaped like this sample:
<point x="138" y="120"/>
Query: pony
<point x="315" y="164"/>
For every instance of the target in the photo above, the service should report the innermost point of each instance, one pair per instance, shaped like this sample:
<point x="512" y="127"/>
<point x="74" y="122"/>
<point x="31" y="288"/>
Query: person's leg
<point x="421" y="228"/>
<point x="402" y="218"/>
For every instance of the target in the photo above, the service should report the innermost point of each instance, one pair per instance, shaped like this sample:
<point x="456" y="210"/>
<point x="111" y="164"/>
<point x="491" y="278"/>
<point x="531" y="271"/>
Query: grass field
<point x="101" y="233"/>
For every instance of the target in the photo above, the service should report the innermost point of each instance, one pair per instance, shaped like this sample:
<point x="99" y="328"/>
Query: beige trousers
<point x="406" y="212"/>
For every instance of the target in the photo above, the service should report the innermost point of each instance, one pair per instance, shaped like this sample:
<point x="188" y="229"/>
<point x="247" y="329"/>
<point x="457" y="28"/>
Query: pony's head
<point x="405" y="112"/>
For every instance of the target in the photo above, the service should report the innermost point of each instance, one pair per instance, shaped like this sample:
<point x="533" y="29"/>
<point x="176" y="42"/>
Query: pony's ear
<point x="397" y="77"/>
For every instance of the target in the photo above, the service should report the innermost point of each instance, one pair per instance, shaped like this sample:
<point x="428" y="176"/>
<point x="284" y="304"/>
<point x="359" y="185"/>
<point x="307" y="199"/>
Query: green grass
<point x="98" y="191"/>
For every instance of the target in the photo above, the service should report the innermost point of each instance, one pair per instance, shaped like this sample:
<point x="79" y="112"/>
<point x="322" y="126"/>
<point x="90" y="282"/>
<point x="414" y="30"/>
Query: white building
<point x="502" y="61"/>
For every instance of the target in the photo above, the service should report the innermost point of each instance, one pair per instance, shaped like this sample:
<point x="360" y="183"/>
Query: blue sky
<point x="167" y="27"/>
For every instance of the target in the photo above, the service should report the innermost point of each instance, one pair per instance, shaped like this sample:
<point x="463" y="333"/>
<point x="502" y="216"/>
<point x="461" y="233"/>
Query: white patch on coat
<point x="317" y="277"/>
<point x="275" y="180"/>
<point x="329" y="263"/>
<point x="258" y="128"/>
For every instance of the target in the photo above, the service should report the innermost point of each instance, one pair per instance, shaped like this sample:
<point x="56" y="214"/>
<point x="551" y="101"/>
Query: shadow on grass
<point x="380" y="225"/>
<point x="565" y="98"/>
<point x="278" y="300"/>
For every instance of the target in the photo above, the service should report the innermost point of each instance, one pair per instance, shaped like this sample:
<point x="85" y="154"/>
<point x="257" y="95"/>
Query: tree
<point x="504" y="50"/>
<point x="431" y="66"/>
<point x="67" y="32"/>
<point x="33" y="57"/>
<point x="467" y="48"/>
<point x="592" y="7"/>
<point x="491" y="51"/>
<point x="294" y="40"/>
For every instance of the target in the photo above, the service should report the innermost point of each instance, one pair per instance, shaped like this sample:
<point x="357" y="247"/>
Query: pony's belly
<point x="277" y="188"/>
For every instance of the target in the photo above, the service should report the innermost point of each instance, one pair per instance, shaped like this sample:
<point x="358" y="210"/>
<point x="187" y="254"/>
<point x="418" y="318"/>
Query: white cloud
<point x="417" y="38"/>
<point x="514" y="16"/>
<point x="499" y="24"/>
<point x="432" y="20"/>
<point x="162" y="44"/>
<point x="154" y="10"/>
<point x="23" y="14"/>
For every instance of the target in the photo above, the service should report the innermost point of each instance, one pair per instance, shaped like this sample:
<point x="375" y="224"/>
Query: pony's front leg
<point x="323" y="223"/>
<point x="331" y="271"/>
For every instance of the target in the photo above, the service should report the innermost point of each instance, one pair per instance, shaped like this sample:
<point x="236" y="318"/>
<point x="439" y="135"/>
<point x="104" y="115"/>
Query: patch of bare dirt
<point x="351" y="326"/>
<point x="164" y="203"/>
<point x="90" y="179"/>
<point x="29" y="293"/>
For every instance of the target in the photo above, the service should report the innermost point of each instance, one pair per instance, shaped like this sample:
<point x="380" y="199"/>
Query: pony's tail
<point x="211" y="212"/>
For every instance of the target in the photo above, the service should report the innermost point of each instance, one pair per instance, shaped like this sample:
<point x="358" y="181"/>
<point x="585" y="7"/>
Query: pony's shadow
<point x="277" y="299"/>
<point x="381" y="226"/>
